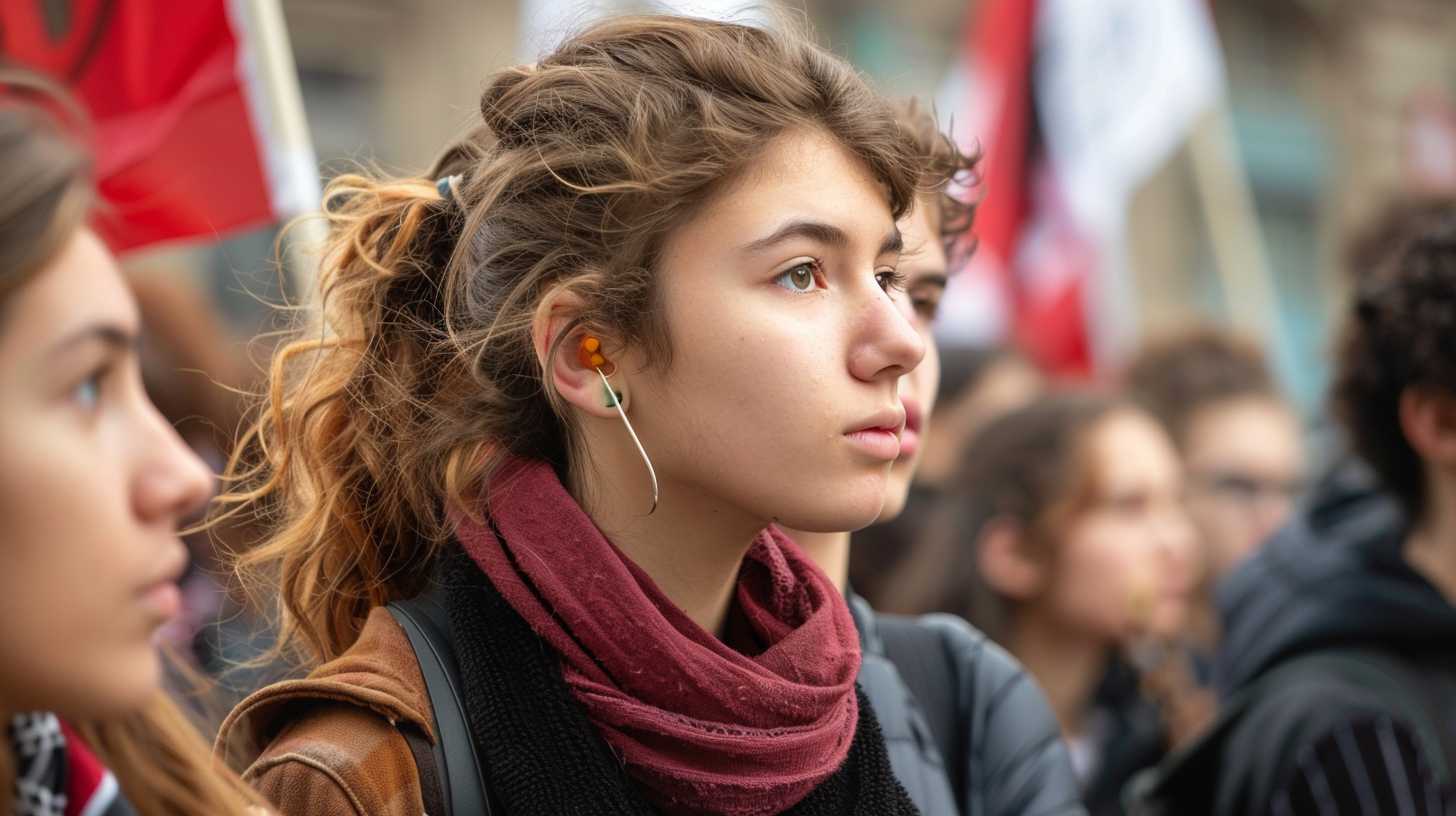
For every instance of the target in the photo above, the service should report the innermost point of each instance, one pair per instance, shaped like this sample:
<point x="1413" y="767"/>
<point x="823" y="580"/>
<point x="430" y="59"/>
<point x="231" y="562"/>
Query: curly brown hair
<point x="1176" y="375"/>
<point x="424" y="377"/>
<point x="1399" y="333"/>
<point x="951" y="178"/>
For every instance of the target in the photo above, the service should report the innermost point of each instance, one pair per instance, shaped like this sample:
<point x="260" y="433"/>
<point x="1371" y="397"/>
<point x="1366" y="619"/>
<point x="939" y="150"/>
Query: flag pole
<point x="288" y="151"/>
<point x="1229" y="211"/>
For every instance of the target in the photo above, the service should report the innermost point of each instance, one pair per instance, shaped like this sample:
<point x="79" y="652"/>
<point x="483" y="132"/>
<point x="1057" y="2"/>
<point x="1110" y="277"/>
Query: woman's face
<point x="782" y="401"/>
<point x="93" y="483"/>
<point x="1245" y="469"/>
<point x="923" y="265"/>
<point x="1125" y="563"/>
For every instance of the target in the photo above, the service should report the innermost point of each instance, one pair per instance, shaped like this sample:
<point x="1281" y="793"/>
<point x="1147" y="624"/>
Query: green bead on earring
<point x="611" y="397"/>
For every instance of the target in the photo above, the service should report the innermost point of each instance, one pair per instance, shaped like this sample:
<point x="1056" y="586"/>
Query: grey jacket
<point x="1015" y="763"/>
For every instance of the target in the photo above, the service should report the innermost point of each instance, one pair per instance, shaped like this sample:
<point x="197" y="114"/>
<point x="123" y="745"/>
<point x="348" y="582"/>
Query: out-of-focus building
<point x="1338" y="105"/>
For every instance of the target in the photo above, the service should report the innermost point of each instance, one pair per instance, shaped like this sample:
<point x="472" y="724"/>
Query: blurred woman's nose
<point x="1179" y="544"/>
<point x="172" y="482"/>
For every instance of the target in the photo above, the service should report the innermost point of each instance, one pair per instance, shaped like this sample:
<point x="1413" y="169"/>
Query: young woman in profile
<point x="574" y="377"/>
<point x="93" y="484"/>
<point x="992" y="754"/>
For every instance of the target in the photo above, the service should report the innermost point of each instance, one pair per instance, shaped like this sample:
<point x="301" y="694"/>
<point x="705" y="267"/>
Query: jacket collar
<point x="379" y="673"/>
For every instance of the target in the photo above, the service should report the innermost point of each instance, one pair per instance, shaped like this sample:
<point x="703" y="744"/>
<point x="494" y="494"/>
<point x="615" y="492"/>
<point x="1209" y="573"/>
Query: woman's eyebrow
<point x="823" y="233"/>
<point x="930" y="278"/>
<point x="115" y="336"/>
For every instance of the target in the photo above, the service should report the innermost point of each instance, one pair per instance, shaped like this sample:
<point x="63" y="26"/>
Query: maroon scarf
<point x="700" y="725"/>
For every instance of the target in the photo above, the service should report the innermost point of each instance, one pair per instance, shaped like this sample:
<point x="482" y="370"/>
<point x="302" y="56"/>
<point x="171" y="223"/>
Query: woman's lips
<point x="879" y="443"/>
<point x="162" y="596"/>
<point x="879" y="434"/>
<point x="909" y="445"/>
<point x="164" y="600"/>
<point x="910" y="437"/>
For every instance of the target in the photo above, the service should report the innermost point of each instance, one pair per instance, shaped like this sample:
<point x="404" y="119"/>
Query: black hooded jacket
<point x="1327" y="625"/>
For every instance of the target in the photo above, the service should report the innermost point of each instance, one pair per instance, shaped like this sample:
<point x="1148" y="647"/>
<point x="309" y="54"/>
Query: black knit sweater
<point x="542" y="754"/>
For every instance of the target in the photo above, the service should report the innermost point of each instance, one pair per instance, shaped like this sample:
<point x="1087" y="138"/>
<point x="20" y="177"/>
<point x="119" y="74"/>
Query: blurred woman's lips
<point x="910" y="437"/>
<point x="162" y="596"/>
<point x="164" y="600"/>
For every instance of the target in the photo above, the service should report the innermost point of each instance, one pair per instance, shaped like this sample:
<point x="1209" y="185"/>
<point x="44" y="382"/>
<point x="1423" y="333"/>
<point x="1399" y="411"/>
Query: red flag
<point x="181" y="142"/>
<point x="1028" y="253"/>
<point x="1075" y="104"/>
<point x="997" y="113"/>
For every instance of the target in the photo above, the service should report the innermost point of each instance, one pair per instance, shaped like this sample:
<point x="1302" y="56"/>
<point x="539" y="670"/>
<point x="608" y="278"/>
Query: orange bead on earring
<point x="589" y="354"/>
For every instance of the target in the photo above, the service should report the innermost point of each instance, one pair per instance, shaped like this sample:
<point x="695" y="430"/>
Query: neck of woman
<point x="692" y="545"/>
<point x="1067" y="665"/>
<point x="1431" y="547"/>
<point x="829" y="551"/>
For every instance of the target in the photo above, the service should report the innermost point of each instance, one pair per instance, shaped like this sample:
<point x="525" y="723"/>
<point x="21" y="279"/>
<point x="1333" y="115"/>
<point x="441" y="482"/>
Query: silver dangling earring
<point x="591" y="355"/>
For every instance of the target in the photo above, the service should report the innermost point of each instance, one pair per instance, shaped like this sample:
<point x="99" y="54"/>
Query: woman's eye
<point x="890" y="279"/>
<point x="87" y="393"/>
<point x="926" y="306"/>
<point x="800" y="277"/>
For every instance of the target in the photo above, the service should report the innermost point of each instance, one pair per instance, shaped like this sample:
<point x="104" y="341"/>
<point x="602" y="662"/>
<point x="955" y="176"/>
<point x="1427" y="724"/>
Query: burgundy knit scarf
<point x="698" y="724"/>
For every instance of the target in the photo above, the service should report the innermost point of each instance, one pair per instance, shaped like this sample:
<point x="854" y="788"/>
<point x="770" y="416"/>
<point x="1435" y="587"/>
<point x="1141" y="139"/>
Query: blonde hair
<point x="423" y="376"/>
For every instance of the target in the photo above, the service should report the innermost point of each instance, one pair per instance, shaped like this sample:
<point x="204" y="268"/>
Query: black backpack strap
<point x="429" y="759"/>
<point x="456" y="778"/>
<point x="924" y="663"/>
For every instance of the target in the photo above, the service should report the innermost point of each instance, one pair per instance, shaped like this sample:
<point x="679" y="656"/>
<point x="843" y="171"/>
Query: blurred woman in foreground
<point x="93" y="484"/>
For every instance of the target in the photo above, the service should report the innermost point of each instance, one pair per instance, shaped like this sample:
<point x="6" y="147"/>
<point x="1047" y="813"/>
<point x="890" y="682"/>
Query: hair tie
<point x="446" y="186"/>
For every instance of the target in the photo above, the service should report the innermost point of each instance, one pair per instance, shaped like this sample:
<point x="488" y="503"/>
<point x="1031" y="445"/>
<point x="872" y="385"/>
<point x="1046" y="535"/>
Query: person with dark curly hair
<point x="1337" y="672"/>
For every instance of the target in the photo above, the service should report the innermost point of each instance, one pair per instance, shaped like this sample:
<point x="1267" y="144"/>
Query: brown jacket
<point x="331" y="744"/>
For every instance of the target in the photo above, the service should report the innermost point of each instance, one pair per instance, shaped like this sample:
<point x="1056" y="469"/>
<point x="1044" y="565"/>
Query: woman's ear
<point x="557" y="335"/>
<point x="1428" y="420"/>
<point x="1004" y="563"/>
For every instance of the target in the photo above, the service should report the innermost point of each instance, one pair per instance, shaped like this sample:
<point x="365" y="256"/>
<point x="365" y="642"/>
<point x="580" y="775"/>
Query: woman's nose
<point x="172" y="482"/>
<point x="889" y="344"/>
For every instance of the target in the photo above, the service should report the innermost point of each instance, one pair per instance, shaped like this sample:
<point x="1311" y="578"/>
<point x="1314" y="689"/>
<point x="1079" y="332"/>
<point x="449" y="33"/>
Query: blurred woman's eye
<point x="1129" y="504"/>
<point x="800" y="278"/>
<point x="927" y="302"/>
<point x="87" y="393"/>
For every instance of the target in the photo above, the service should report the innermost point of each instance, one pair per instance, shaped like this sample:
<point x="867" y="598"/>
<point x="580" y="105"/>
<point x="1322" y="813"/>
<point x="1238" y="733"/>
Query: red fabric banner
<point x="176" y="148"/>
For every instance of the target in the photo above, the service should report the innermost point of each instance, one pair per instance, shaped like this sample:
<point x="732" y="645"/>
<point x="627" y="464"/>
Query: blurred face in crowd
<point x="782" y="399"/>
<point x="93" y="483"/>
<point x="923" y="265"/>
<point x="1245" y="469"/>
<point x="1008" y="384"/>
<point x="1124" y="563"/>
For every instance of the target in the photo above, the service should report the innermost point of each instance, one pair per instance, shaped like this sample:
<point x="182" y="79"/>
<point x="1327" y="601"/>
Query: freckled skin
<point x="765" y="380"/>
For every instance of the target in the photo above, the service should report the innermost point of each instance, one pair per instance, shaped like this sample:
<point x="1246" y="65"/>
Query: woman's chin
<point x="897" y="495"/>
<point x="127" y="689"/>
<point x="838" y="517"/>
